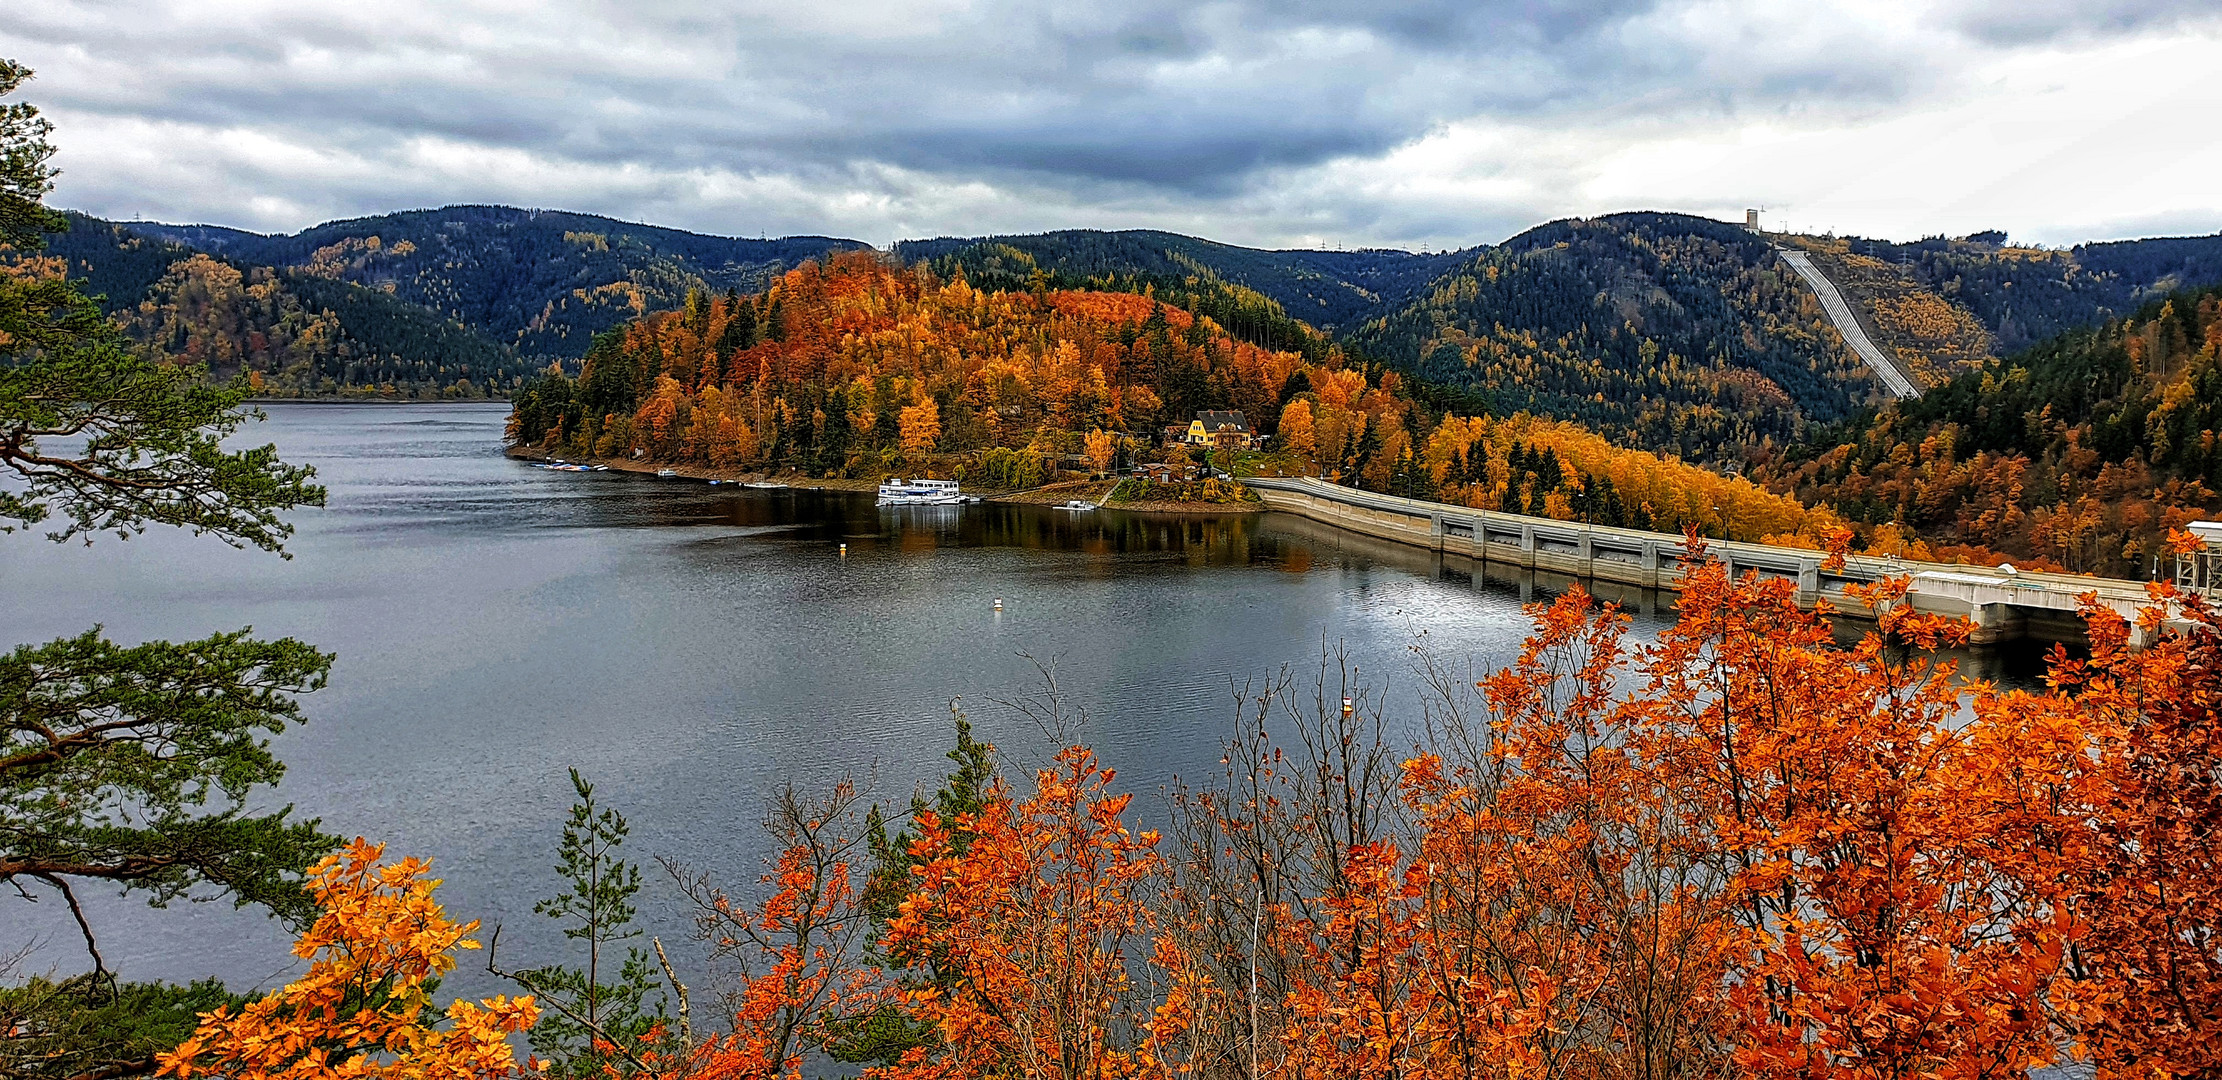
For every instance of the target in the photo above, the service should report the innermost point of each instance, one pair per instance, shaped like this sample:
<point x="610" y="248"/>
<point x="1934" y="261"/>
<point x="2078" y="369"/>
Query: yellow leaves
<point x="1100" y="447"/>
<point x="921" y="427"/>
<point x="358" y="1011"/>
<point x="1296" y="430"/>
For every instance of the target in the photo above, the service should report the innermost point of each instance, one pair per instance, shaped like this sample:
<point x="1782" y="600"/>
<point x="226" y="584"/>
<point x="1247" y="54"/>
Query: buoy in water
<point x="998" y="603"/>
<point x="844" y="551"/>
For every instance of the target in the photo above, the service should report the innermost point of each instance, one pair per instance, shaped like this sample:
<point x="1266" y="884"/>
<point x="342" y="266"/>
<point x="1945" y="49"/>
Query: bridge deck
<point x="2004" y="605"/>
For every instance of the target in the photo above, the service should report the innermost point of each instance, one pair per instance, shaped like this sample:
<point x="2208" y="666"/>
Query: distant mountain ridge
<point x="1331" y="290"/>
<point x="292" y="332"/>
<point x="542" y="282"/>
<point x="1666" y="331"/>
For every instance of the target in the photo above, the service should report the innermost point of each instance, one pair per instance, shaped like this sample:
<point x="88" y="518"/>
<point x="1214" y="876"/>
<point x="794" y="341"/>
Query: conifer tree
<point x="134" y="768"/>
<point x="589" y="1025"/>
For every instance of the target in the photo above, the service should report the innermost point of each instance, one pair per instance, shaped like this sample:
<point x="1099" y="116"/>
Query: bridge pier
<point x="1995" y="623"/>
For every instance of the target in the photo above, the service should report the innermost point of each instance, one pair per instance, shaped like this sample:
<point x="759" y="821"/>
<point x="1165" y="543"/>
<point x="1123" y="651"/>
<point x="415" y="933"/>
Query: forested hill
<point x="2081" y="451"/>
<point x="865" y="367"/>
<point x="1664" y="331"/>
<point x="2024" y="295"/>
<point x="541" y="282"/>
<point x="1331" y="290"/>
<point x="291" y="331"/>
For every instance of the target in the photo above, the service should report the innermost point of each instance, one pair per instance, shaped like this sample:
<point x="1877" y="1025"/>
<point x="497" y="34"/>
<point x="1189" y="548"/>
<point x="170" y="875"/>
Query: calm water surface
<point x="688" y="647"/>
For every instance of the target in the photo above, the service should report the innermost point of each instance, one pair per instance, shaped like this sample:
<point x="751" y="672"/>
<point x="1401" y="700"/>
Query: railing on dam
<point x="2004" y="604"/>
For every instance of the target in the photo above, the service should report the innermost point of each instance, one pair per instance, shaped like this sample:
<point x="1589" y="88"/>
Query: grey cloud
<point x="2019" y="22"/>
<point x="1191" y="96"/>
<point x="1155" y="107"/>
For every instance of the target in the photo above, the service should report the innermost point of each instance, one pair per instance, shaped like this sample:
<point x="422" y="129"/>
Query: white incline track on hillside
<point x="1840" y="312"/>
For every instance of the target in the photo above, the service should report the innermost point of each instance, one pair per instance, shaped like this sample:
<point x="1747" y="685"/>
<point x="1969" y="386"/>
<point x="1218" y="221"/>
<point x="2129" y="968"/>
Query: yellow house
<point x="1221" y="429"/>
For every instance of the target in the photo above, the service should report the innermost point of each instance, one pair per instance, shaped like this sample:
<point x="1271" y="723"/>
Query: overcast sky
<point x="1298" y="123"/>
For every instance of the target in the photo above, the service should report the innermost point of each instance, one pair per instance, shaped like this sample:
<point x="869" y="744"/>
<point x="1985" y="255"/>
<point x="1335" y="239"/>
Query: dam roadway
<point x="2004" y="605"/>
<point x="1886" y="367"/>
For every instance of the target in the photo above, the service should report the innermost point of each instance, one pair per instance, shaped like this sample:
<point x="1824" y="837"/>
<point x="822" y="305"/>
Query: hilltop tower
<point x="1751" y="220"/>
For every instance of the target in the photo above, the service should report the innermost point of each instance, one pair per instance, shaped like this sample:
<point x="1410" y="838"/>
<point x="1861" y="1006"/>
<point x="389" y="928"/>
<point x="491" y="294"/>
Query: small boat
<point x="899" y="492"/>
<point x="765" y="485"/>
<point x="667" y="473"/>
<point x="1077" y="504"/>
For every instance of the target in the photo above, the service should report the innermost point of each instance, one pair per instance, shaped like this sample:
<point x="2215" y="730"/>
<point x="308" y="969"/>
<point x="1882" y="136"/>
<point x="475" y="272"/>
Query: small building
<point x="1221" y="431"/>
<point x="1157" y="472"/>
<point x="2200" y="571"/>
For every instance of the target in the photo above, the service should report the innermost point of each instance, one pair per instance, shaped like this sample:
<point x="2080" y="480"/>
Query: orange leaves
<point x="2150" y="881"/>
<point x="800" y="972"/>
<point x="1861" y="826"/>
<point x="1028" y="914"/>
<point x="1475" y="455"/>
<point x="1116" y="308"/>
<point x="1100" y="447"/>
<point x="895" y="361"/>
<point x="359" y="1010"/>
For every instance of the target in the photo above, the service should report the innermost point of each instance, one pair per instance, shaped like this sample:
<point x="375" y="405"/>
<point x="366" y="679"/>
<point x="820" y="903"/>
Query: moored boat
<point x="900" y="492"/>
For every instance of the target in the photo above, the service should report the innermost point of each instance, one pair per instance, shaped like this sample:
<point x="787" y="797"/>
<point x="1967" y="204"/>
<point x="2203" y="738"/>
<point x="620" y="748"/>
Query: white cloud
<point x="1439" y="122"/>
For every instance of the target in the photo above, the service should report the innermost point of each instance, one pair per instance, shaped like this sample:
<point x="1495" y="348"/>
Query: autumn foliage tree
<point x="2083" y="451"/>
<point x="2148" y="991"/>
<point x="800" y="978"/>
<point x="1037" y="923"/>
<point x="362" y="1008"/>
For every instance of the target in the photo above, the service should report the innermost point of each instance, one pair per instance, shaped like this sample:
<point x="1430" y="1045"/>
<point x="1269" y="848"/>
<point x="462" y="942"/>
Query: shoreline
<point x="335" y="400"/>
<point x="1045" y="495"/>
<point x="320" y="402"/>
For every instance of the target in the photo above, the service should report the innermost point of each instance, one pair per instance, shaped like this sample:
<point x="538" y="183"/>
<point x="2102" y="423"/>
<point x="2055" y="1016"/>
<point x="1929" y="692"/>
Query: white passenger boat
<point x="1077" y="504"/>
<point x="899" y="492"/>
<point x="667" y="473"/>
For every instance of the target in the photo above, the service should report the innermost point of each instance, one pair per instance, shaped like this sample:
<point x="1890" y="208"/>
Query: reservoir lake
<point x="689" y="647"/>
